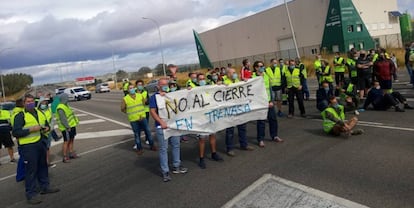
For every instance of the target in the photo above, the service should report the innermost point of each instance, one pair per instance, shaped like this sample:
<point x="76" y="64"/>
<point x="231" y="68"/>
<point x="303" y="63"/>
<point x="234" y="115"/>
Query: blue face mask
<point x="326" y="89"/>
<point x="173" y="89"/>
<point x="194" y="80"/>
<point x="336" y="105"/>
<point x="261" y="69"/>
<point x="215" y="78"/>
<point x="234" y="76"/>
<point x="165" y="88"/>
<point x="202" y="82"/>
<point x="275" y="65"/>
<point x="291" y="67"/>
<point x="132" y="91"/>
<point x="140" y="87"/>
<point x="43" y="106"/>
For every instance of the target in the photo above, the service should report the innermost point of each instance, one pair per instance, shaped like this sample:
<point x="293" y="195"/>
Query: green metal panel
<point x="202" y="53"/>
<point x="344" y="28"/>
<point x="406" y="28"/>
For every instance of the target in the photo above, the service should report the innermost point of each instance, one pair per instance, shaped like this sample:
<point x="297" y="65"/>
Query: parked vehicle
<point x="60" y="90"/>
<point x="77" y="93"/>
<point x="152" y="86"/>
<point x="9" y="105"/>
<point x="102" y="87"/>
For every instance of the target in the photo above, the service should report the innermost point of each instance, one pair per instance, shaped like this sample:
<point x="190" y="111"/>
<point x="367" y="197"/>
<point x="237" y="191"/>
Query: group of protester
<point x="32" y="123"/>
<point x="369" y="82"/>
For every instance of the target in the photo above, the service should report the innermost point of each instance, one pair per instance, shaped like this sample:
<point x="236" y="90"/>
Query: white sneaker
<point x="146" y="142"/>
<point x="356" y="112"/>
<point x="134" y="147"/>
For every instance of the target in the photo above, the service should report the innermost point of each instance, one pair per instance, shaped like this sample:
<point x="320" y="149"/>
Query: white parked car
<point x="102" y="87"/>
<point x="77" y="93"/>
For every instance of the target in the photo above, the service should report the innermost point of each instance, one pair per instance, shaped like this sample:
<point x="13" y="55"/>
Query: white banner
<point x="209" y="109"/>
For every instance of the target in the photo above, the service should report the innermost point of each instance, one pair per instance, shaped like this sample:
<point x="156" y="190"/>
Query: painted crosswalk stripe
<point x="276" y="192"/>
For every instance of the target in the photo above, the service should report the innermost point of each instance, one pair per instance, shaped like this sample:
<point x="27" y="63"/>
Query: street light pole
<point x="1" y="76"/>
<point x="113" y="65"/>
<point x="159" y="33"/>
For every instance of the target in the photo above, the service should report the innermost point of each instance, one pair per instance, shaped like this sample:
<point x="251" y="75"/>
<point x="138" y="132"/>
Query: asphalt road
<point x="375" y="169"/>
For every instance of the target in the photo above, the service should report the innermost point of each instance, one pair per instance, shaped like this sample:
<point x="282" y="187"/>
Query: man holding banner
<point x="201" y="81"/>
<point x="160" y="125"/>
<point x="230" y="79"/>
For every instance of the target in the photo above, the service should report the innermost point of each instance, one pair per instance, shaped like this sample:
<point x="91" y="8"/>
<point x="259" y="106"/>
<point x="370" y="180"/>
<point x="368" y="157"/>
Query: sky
<point x="58" y="41"/>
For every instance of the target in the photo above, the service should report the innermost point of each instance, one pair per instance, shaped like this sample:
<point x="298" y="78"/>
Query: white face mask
<point x="378" y="87"/>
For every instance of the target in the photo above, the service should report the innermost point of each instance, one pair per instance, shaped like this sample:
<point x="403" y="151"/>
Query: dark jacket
<point x="321" y="95"/>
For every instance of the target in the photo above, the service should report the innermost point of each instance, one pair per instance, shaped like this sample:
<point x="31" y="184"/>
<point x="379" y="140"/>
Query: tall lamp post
<point x="1" y="77"/>
<point x="159" y="33"/>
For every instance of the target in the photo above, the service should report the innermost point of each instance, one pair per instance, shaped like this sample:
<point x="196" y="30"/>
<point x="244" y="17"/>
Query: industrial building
<point x="319" y="26"/>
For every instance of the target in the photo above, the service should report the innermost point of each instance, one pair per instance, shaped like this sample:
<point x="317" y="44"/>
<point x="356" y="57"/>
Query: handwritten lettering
<point x="221" y="113"/>
<point x="233" y="93"/>
<point x="187" y="123"/>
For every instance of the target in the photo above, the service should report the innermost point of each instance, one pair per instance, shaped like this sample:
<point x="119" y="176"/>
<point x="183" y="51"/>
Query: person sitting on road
<point x="382" y="100"/>
<point x="334" y="122"/>
<point x="322" y="96"/>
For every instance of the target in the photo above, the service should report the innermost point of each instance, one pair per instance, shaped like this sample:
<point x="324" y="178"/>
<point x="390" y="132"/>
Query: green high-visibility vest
<point x="317" y="65"/>
<point x="228" y="81"/>
<point x="274" y="76"/>
<point x="190" y="83"/>
<point x="341" y="67"/>
<point x="353" y="70"/>
<point x="266" y="80"/>
<point x="144" y="95"/>
<point x="328" y="77"/>
<point x="15" y="111"/>
<point x="293" y="79"/>
<point x="134" y="107"/>
<point x="31" y="121"/>
<point x="329" y="124"/>
<point x="73" y="121"/>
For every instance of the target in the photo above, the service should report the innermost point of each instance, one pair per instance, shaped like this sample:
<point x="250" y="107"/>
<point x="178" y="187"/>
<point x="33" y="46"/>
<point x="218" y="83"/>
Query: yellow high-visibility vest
<point x="30" y="121"/>
<point x="73" y="121"/>
<point x="134" y="107"/>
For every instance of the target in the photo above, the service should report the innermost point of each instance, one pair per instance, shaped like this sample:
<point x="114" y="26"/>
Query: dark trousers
<point x="273" y="125"/>
<point x="339" y="78"/>
<point x="292" y="92"/>
<point x="36" y="167"/>
<point x="230" y="135"/>
<point x="20" y="172"/>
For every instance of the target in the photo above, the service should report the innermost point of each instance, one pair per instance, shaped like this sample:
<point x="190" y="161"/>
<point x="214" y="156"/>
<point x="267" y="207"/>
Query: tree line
<point x="157" y="71"/>
<point x="16" y="82"/>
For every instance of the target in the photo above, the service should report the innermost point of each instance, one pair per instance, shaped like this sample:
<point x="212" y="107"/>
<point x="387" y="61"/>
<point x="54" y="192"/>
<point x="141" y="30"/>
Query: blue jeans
<point x="230" y="135"/>
<point x="410" y="72"/>
<point x="20" y="171"/>
<point x="137" y="126"/>
<point x="36" y="167"/>
<point x="305" y="89"/>
<point x="163" y="150"/>
<point x="273" y="125"/>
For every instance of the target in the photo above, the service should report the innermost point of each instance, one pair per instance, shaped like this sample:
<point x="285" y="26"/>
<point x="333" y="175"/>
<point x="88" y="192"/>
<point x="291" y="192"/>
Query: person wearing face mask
<point x="339" y="68"/>
<point x="276" y="78"/>
<point x="214" y="79"/>
<point x="363" y="65"/>
<point x="140" y="90"/>
<point x="174" y="141"/>
<point x="322" y="96"/>
<point x="334" y="122"/>
<point x="231" y="79"/>
<point x="317" y="65"/>
<point x="201" y="80"/>
<point x="67" y="122"/>
<point x="382" y="100"/>
<point x="29" y="127"/>
<point x="304" y="83"/>
<point x="259" y="70"/>
<point x="294" y="78"/>
<point x="383" y="70"/>
<point x="192" y="82"/>
<point x="133" y="105"/>
<point x="351" y="65"/>
<point x="245" y="72"/>
<point x="326" y="73"/>
<point x="43" y="106"/>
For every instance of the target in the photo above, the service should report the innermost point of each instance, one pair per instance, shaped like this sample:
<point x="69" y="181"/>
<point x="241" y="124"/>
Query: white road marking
<point x="104" y="118"/>
<point x="92" y="121"/>
<point x="81" y="114"/>
<point x="84" y="153"/>
<point x="273" y="191"/>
